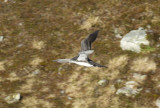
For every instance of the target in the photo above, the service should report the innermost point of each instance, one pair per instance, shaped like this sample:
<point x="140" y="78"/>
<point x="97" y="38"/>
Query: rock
<point x="20" y="24"/>
<point x="138" y="77"/>
<point x="19" y="45"/>
<point x="102" y="82"/>
<point x="158" y="102"/>
<point x="118" y="36"/>
<point x="116" y="30"/>
<point x="148" y="91"/>
<point x="130" y="89"/>
<point x="62" y="92"/>
<point x="69" y="98"/>
<point x="127" y="91"/>
<point x="13" y="98"/>
<point x="1" y="38"/>
<point x="36" y="72"/>
<point x="149" y="26"/>
<point x="131" y="84"/>
<point x="158" y="45"/>
<point x="119" y="81"/>
<point x="132" y="40"/>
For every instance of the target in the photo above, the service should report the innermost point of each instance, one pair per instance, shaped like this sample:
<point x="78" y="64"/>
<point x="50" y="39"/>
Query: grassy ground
<point x="39" y="31"/>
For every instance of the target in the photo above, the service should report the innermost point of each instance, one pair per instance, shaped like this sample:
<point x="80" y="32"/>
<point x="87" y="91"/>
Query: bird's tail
<point x="62" y="60"/>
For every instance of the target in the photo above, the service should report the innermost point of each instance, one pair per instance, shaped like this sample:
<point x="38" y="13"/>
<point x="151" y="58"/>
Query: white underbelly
<point x="82" y="57"/>
<point x="82" y="64"/>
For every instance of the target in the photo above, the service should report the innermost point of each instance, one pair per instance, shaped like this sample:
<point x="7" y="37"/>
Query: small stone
<point x="37" y="71"/>
<point x="118" y="36"/>
<point x="119" y="81"/>
<point x="116" y="30"/>
<point x="13" y="98"/>
<point x="1" y="38"/>
<point x="140" y="78"/>
<point x="102" y="82"/>
<point x="130" y="89"/>
<point x="158" y="102"/>
<point x="148" y="91"/>
<point x="62" y="92"/>
<point x="148" y="26"/>
<point x="131" y="84"/>
<point x="19" y="45"/>
<point x="133" y="19"/>
<point x="69" y="98"/>
<point x="158" y="45"/>
<point x="20" y="24"/>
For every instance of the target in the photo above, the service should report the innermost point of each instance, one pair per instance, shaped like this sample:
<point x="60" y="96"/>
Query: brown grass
<point x="2" y="67"/>
<point x="84" y="89"/>
<point x="38" y="44"/>
<point x="34" y="102"/>
<point x="87" y="24"/>
<point x="28" y="86"/>
<point x="118" y="62"/>
<point x="36" y="61"/>
<point x="143" y="64"/>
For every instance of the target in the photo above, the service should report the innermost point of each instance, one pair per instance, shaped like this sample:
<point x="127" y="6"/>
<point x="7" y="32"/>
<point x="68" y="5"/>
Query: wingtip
<point x="105" y="66"/>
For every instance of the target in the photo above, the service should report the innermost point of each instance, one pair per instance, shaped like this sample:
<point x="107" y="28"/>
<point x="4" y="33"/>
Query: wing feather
<point x="86" y="43"/>
<point x="95" y="64"/>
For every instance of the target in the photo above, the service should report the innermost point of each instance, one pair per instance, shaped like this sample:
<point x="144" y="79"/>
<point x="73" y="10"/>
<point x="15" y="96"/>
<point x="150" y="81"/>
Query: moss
<point x="94" y="77"/>
<point x="59" y="102"/>
<point x="11" y="87"/>
<point x="147" y="49"/>
<point x="126" y="102"/>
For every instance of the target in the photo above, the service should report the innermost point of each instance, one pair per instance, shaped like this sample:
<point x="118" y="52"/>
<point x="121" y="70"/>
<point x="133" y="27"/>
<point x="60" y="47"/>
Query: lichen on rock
<point x="132" y="40"/>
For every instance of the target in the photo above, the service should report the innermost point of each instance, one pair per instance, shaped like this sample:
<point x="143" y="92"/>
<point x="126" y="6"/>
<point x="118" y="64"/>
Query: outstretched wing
<point x="75" y="58"/>
<point x="86" y="43"/>
<point x="95" y="64"/>
<point x="62" y="60"/>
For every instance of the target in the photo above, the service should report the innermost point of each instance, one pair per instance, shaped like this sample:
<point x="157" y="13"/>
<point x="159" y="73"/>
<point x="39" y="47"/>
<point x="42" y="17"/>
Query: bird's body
<point x="82" y="63"/>
<point x="82" y="58"/>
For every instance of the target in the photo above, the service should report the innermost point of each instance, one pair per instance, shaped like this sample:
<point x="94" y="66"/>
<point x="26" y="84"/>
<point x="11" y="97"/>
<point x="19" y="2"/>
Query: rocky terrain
<point x="35" y="32"/>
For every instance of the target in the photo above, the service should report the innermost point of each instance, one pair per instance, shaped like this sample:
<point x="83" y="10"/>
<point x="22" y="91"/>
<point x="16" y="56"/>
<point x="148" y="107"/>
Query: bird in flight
<point x="82" y="58"/>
